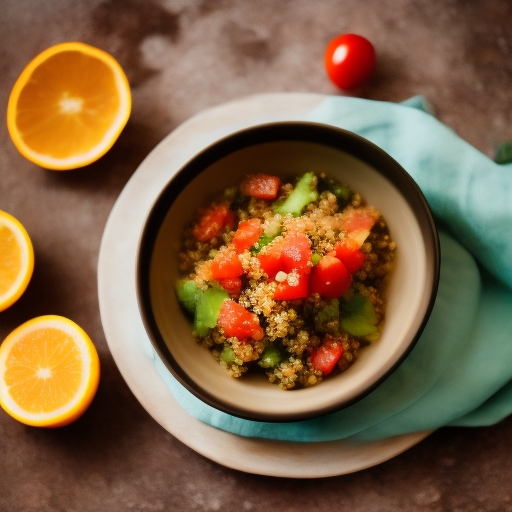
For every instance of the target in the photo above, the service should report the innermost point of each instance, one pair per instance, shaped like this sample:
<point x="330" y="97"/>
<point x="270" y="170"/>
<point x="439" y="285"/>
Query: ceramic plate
<point x="127" y="338"/>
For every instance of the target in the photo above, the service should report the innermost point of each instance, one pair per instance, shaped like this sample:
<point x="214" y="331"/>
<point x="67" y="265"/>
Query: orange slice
<point x="49" y="372"/>
<point x="16" y="260"/>
<point x="68" y="106"/>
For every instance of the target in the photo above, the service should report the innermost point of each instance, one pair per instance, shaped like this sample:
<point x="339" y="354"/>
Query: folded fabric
<point x="460" y="371"/>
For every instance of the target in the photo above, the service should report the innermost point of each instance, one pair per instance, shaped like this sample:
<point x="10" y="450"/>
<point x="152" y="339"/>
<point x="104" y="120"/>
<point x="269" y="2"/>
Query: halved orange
<point x="68" y="106"/>
<point x="16" y="260"/>
<point x="49" y="372"/>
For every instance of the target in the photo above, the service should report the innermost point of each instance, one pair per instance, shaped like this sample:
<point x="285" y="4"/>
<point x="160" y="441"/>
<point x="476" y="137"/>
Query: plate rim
<point x="200" y="437"/>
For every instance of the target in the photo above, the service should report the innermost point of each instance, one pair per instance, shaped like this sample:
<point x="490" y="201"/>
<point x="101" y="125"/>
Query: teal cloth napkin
<point x="460" y="371"/>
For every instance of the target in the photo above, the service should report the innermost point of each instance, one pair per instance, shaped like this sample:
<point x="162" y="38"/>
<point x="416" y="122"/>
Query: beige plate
<point x="128" y="341"/>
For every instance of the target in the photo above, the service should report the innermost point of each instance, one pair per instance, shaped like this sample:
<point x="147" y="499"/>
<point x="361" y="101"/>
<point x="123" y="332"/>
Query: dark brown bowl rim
<point x="305" y="131"/>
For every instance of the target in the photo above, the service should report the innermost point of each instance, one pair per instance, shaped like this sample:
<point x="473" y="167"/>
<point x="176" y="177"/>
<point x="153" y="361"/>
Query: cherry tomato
<point x="349" y="60"/>
<point x="329" y="278"/>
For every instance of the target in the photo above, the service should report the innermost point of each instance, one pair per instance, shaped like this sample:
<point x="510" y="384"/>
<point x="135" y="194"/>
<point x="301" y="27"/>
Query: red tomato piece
<point x="270" y="258"/>
<point x="270" y="263"/>
<point x="211" y="222"/>
<point x="349" y="60"/>
<point x="236" y="321"/>
<point x="357" y="223"/>
<point x="261" y="186"/>
<point x="291" y="253"/>
<point x="232" y="285"/>
<point x="358" y="219"/>
<point x="226" y="264"/>
<point x="348" y="252"/>
<point x="247" y="234"/>
<point x="296" y="253"/>
<point x="230" y="220"/>
<point x="326" y="355"/>
<point x="329" y="278"/>
<point x="295" y="287"/>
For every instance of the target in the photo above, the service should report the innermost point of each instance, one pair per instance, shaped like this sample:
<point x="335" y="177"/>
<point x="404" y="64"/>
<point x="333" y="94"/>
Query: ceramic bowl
<point x="288" y="149"/>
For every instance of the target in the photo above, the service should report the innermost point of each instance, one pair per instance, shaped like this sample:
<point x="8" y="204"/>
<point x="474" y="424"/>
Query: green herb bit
<point x="270" y="357"/>
<point x="331" y="313"/>
<point x="208" y="309"/>
<point x="358" y="316"/>
<point x="341" y="192"/>
<point x="262" y="242"/>
<point x="188" y="294"/>
<point x="315" y="258"/>
<point x="227" y="356"/>
<point x="303" y="193"/>
<point x="504" y="153"/>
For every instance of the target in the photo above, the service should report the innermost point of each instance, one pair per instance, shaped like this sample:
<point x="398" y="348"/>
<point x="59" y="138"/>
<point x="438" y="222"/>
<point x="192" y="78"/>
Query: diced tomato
<point x="326" y="355"/>
<point x="247" y="234"/>
<point x="236" y="321"/>
<point x="270" y="263"/>
<point x="329" y="278"/>
<point x="229" y="220"/>
<point x="211" y="222"/>
<point x="348" y="252"/>
<point x="261" y="186"/>
<point x="232" y="285"/>
<point x="357" y="223"/>
<point x="293" y="252"/>
<point x="296" y="253"/>
<point x="226" y="264"/>
<point x="295" y="287"/>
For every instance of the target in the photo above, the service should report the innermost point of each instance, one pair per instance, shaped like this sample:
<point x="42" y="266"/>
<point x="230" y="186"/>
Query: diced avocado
<point x="301" y="195"/>
<point x="328" y="314"/>
<point x="373" y="337"/>
<point x="208" y="309"/>
<point x="227" y="356"/>
<point x="270" y="357"/>
<point x="188" y="294"/>
<point x="358" y="316"/>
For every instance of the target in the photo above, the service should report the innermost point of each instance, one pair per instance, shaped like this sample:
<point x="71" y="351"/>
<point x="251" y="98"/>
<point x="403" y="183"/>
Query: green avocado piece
<point x="270" y="357"/>
<point x="358" y="316"/>
<point x="208" y="309"/>
<point x="227" y="356"/>
<point x="301" y="195"/>
<point x="188" y="294"/>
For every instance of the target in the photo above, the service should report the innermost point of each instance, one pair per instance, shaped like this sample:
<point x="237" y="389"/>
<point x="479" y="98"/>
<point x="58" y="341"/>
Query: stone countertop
<point x="182" y="56"/>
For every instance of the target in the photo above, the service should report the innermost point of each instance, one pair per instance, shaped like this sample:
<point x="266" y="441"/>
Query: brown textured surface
<point x="182" y="56"/>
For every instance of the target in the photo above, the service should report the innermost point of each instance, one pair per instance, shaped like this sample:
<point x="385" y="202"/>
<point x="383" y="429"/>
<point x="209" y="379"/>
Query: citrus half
<point x="16" y="260"/>
<point x="49" y="372"/>
<point x="68" y="106"/>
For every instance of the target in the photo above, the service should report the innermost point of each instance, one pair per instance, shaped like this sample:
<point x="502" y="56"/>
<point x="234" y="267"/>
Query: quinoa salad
<point x="286" y="279"/>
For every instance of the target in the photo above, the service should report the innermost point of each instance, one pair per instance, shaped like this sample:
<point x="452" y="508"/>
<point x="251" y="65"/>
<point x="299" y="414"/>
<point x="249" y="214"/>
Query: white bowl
<point x="288" y="149"/>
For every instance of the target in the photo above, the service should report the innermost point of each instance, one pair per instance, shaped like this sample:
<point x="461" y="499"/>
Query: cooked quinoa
<point x="300" y="340"/>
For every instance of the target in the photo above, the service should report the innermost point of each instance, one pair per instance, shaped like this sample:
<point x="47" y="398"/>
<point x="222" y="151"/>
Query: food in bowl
<point x="286" y="279"/>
